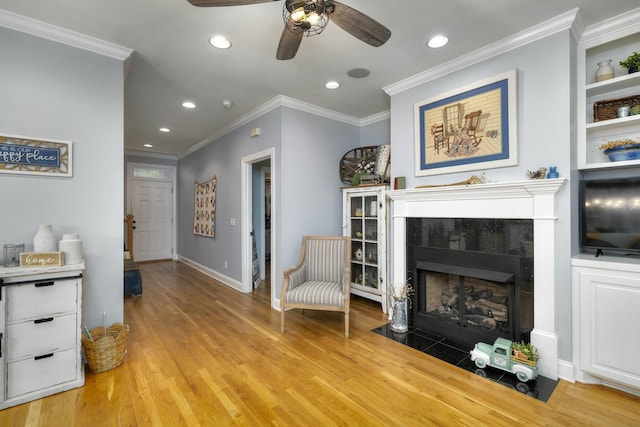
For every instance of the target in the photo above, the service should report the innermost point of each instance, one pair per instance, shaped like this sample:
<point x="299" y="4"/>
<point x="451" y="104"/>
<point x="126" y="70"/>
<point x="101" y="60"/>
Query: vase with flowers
<point x="364" y="168"/>
<point x="399" y="299"/>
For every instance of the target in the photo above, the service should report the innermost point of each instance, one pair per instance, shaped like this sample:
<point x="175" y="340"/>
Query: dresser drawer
<point x="41" y="299"/>
<point x="41" y="336"/>
<point x="38" y="373"/>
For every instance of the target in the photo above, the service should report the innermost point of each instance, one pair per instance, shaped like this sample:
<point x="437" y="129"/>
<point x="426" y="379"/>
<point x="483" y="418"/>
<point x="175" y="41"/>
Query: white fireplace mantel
<point x="535" y="199"/>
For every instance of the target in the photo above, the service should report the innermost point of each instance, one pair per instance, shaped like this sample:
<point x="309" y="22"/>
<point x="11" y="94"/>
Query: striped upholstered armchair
<point x="321" y="279"/>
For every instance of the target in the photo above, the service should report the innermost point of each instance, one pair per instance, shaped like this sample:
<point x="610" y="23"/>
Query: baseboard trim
<point x="229" y="281"/>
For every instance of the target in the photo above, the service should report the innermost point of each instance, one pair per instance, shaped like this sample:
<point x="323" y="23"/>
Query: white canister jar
<point x="71" y="246"/>
<point x="45" y="239"/>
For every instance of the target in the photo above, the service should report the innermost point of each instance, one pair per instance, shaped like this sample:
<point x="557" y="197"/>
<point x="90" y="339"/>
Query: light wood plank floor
<point x="201" y="354"/>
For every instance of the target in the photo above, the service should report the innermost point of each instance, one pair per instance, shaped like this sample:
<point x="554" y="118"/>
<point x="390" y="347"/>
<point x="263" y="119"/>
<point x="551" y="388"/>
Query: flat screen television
<point x="610" y="215"/>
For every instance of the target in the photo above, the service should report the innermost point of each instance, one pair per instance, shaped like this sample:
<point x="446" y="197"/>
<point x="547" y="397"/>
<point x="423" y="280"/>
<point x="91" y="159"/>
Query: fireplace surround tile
<point x="458" y="354"/>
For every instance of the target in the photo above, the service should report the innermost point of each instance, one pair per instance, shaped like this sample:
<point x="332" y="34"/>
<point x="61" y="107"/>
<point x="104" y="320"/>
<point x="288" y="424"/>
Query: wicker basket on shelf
<point x="105" y="348"/>
<point x="608" y="109"/>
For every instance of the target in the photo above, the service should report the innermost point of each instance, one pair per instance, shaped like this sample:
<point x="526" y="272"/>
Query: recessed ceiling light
<point x="221" y="42"/>
<point x="148" y="145"/>
<point x="164" y="130"/>
<point x="226" y="103"/>
<point x="332" y="85"/>
<point x="188" y="104"/>
<point x="438" y="41"/>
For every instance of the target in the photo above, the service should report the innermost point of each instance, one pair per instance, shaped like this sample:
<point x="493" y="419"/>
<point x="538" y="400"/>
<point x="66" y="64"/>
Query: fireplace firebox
<point x="473" y="278"/>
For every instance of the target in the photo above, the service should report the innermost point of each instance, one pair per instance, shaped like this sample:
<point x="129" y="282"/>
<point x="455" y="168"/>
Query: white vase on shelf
<point x="605" y="71"/>
<point x="71" y="246"/>
<point x="45" y="239"/>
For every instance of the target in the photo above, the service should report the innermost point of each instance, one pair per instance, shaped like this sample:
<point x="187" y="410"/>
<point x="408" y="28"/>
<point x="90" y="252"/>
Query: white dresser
<point x="40" y="330"/>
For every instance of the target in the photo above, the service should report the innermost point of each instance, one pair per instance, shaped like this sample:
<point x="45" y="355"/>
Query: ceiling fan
<point x="310" y="17"/>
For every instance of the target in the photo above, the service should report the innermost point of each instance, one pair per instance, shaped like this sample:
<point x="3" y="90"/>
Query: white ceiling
<point x="173" y="60"/>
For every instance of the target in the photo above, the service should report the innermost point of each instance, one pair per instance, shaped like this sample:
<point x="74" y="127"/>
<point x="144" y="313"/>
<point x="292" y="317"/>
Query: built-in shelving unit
<point x="598" y="45"/>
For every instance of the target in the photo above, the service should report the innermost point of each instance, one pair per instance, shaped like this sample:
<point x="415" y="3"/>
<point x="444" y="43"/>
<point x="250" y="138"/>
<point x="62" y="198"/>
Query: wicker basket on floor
<point x="106" y="348"/>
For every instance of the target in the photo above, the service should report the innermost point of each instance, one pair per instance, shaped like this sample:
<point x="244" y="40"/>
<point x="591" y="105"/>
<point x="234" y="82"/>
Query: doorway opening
<point x="258" y="224"/>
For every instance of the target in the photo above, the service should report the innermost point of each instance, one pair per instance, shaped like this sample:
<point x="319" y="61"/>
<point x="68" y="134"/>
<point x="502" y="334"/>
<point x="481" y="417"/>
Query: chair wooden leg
<point x="282" y="319"/>
<point x="346" y="324"/>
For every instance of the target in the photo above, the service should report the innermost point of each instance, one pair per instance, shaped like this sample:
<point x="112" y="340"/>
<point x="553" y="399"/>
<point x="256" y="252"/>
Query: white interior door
<point x="153" y="215"/>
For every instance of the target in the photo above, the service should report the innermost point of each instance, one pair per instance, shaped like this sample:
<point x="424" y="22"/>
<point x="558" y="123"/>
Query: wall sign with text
<point x="25" y="155"/>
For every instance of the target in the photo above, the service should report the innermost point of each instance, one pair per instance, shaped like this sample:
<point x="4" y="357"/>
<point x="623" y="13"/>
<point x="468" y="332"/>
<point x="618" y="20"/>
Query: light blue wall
<point x="308" y="150"/>
<point x="221" y="158"/>
<point x="54" y="91"/>
<point x="377" y="133"/>
<point x="310" y="180"/>
<point x="545" y="135"/>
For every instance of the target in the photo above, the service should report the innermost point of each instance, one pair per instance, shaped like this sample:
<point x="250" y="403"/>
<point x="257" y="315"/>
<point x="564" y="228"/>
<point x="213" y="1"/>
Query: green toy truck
<point x="503" y="354"/>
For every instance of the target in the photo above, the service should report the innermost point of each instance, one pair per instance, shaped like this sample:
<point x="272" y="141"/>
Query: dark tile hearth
<point x="457" y="354"/>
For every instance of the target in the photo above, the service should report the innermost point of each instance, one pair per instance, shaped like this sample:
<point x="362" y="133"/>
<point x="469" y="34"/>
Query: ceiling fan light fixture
<point x="298" y="14"/>
<point x="437" y="41"/>
<point x="306" y="15"/>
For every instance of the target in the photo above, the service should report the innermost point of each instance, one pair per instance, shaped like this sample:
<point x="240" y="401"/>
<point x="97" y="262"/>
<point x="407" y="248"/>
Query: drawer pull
<point x="44" y="356"/>
<point x="43" y="284"/>
<point x="44" y="320"/>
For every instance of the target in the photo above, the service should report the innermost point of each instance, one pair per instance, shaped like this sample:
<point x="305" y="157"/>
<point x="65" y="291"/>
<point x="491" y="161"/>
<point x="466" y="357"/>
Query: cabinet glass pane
<point x="356" y="273"/>
<point x="357" y="251"/>
<point x="371" y="253"/>
<point x="371" y="206"/>
<point x="371" y="277"/>
<point x="371" y="229"/>
<point x="356" y="207"/>
<point x="356" y="229"/>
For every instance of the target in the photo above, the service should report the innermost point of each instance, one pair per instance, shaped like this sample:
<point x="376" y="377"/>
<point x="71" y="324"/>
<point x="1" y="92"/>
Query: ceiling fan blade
<point x="289" y="42"/>
<point x="359" y="25"/>
<point x="216" y="3"/>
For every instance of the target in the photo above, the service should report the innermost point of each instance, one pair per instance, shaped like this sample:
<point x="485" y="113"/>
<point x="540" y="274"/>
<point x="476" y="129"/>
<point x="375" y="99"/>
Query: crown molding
<point x="532" y="34"/>
<point x="375" y="118"/>
<point x="57" y="34"/>
<point x="141" y="153"/>
<point x="278" y="101"/>
<point x="619" y="26"/>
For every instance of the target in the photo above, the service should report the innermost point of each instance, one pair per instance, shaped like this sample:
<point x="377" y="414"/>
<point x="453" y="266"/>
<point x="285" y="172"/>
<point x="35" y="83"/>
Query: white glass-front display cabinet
<point x="364" y="220"/>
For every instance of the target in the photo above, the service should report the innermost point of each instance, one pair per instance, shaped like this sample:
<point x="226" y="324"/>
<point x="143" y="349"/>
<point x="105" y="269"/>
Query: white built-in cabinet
<point x="606" y="315"/>
<point x="40" y="318"/>
<point x="364" y="220"/>
<point x="615" y="43"/>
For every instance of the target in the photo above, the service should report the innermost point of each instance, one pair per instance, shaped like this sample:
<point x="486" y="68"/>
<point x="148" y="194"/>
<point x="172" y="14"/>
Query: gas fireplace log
<point x="479" y="320"/>
<point x="475" y="308"/>
<point x="489" y="302"/>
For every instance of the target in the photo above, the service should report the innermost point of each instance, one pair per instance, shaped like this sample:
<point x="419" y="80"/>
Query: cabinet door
<point x="609" y="315"/>
<point x="363" y="230"/>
